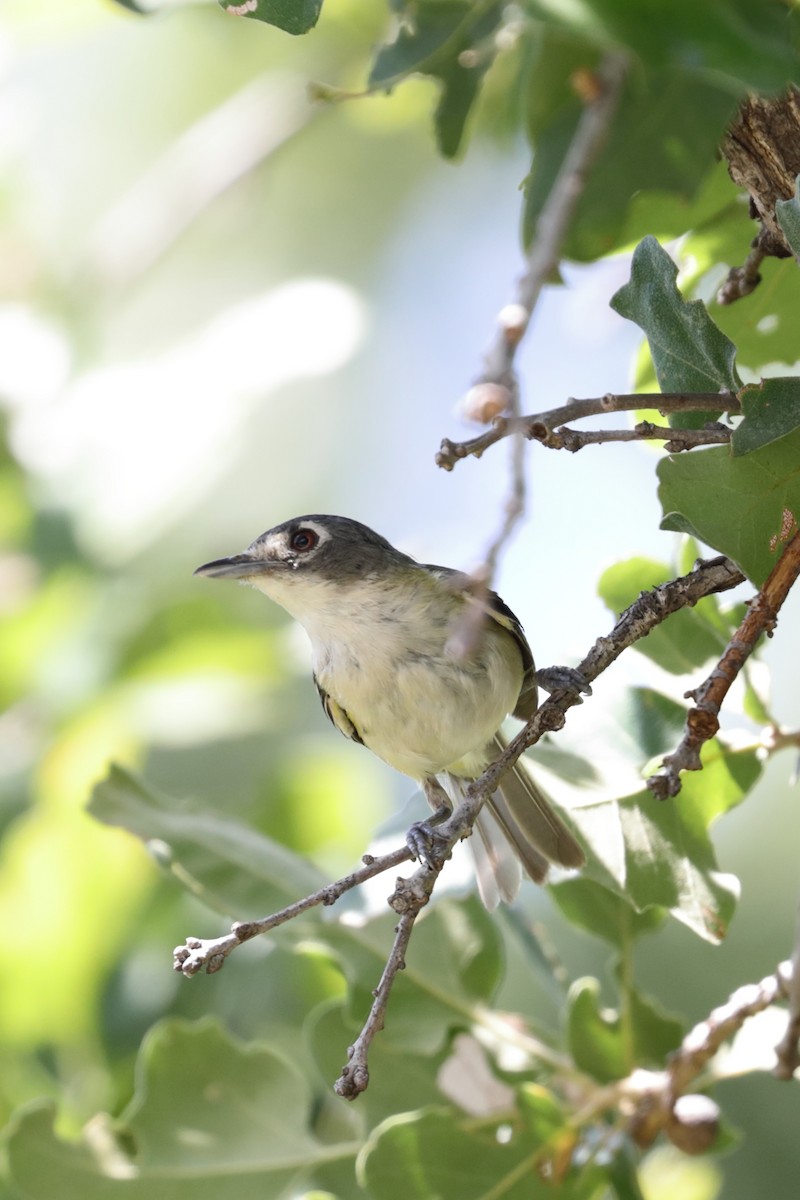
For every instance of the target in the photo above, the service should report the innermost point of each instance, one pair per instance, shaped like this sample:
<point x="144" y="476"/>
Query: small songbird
<point x="393" y="674"/>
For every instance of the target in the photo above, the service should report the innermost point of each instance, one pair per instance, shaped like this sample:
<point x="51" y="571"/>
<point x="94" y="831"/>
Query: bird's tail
<point x="517" y="828"/>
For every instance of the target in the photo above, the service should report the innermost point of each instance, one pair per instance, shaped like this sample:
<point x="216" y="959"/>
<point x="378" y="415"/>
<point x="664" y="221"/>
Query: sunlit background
<point x="222" y="305"/>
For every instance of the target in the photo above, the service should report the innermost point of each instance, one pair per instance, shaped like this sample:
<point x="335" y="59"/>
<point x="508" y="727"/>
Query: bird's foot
<point x="427" y="845"/>
<point x="563" y="679"/>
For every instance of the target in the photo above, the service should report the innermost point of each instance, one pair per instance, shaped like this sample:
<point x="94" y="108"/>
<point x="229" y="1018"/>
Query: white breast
<point x="414" y="704"/>
<point x="381" y="652"/>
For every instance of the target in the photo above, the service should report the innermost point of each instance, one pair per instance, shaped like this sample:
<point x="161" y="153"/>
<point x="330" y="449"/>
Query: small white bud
<point x="513" y="320"/>
<point x="484" y="402"/>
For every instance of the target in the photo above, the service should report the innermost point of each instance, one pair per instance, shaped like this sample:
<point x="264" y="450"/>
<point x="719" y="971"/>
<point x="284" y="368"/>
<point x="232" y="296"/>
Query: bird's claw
<point x="563" y="679"/>
<point x="427" y="845"/>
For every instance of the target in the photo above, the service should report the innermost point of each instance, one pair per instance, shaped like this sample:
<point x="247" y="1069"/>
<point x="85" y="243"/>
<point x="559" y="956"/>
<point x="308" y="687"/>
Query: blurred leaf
<point x="771" y="410"/>
<point x="756" y="702"/>
<point x="659" y="852"/>
<point x="397" y="1073"/>
<point x="435" y="1152"/>
<point x="607" y="1045"/>
<point x="35" y="640"/>
<point x="646" y="724"/>
<point x="293" y="16"/>
<point x="210" y="1117"/>
<point x="659" y="143"/>
<point x="449" y="40"/>
<point x="788" y="214"/>
<point x="687" y="639"/>
<point x="555" y="55"/>
<point x="689" y="351"/>
<point x="231" y="867"/>
<point x="593" y="1035"/>
<point x="656" y="1033"/>
<point x="744" y="507"/>
<point x="748" y="42"/>
<point x="624" y="1178"/>
<point x="761" y="328"/>
<point x="604" y="913"/>
<point x="667" y="215"/>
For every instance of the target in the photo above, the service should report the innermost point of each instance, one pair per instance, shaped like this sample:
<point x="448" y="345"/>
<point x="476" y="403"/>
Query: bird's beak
<point x="240" y="566"/>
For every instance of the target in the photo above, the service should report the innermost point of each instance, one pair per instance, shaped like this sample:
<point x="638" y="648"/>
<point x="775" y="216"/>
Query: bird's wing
<point x="337" y="715"/>
<point x="497" y="610"/>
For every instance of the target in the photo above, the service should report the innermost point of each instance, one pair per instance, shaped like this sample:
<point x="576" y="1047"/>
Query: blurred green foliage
<point x="164" y="185"/>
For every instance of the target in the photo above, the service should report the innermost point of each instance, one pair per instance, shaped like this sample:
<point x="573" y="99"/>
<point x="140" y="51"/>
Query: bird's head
<point x="312" y="558"/>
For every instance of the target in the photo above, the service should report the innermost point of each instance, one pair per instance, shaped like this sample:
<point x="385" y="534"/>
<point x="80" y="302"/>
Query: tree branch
<point x="540" y="426"/>
<point x="741" y="281"/>
<point x="702" y="721"/>
<point x="658" y="1099"/>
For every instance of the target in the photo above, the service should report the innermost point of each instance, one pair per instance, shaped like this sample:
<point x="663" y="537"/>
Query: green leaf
<point x="690" y="353"/>
<point x="607" y="1044"/>
<point x="771" y="410"/>
<point x="450" y="40"/>
<point x="439" y="1153"/>
<point x="210" y="1117"/>
<point x="762" y="326"/>
<point x="593" y="1034"/>
<point x="606" y="914"/>
<point x="659" y="852"/>
<point x="231" y="867"/>
<point x="748" y="44"/>
<point x="657" y="145"/>
<point x="554" y="55"/>
<point x="687" y="639"/>
<point x="788" y="214"/>
<point x="293" y="16"/>
<point x="746" y="507"/>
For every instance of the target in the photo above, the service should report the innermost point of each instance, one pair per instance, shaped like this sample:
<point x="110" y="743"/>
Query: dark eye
<point x="303" y="540"/>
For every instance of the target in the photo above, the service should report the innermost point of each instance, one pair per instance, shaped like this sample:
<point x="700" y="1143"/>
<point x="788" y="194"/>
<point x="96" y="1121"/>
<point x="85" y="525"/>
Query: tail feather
<point x="497" y="867"/>
<point x="518" y="827"/>
<point x="530" y="821"/>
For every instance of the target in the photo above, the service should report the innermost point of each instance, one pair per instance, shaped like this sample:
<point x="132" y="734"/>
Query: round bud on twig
<point x="513" y="321"/>
<point x="693" y="1124"/>
<point x="485" y="401"/>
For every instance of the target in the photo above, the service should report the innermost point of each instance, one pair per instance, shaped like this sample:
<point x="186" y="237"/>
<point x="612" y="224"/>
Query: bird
<point x="395" y="675"/>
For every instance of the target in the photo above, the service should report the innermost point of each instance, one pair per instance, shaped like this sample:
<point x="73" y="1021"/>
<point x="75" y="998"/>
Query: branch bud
<point x="513" y="321"/>
<point x="693" y="1124"/>
<point x="485" y="401"/>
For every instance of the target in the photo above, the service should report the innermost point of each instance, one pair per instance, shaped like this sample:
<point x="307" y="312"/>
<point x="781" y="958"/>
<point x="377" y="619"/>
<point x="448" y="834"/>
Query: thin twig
<point x="741" y="281"/>
<point x="674" y="440"/>
<point x="702" y="721"/>
<point x="409" y="898"/>
<point x="554" y="222"/>
<point x="497" y="387"/>
<point x="197" y="953"/>
<point x="539" y="426"/>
